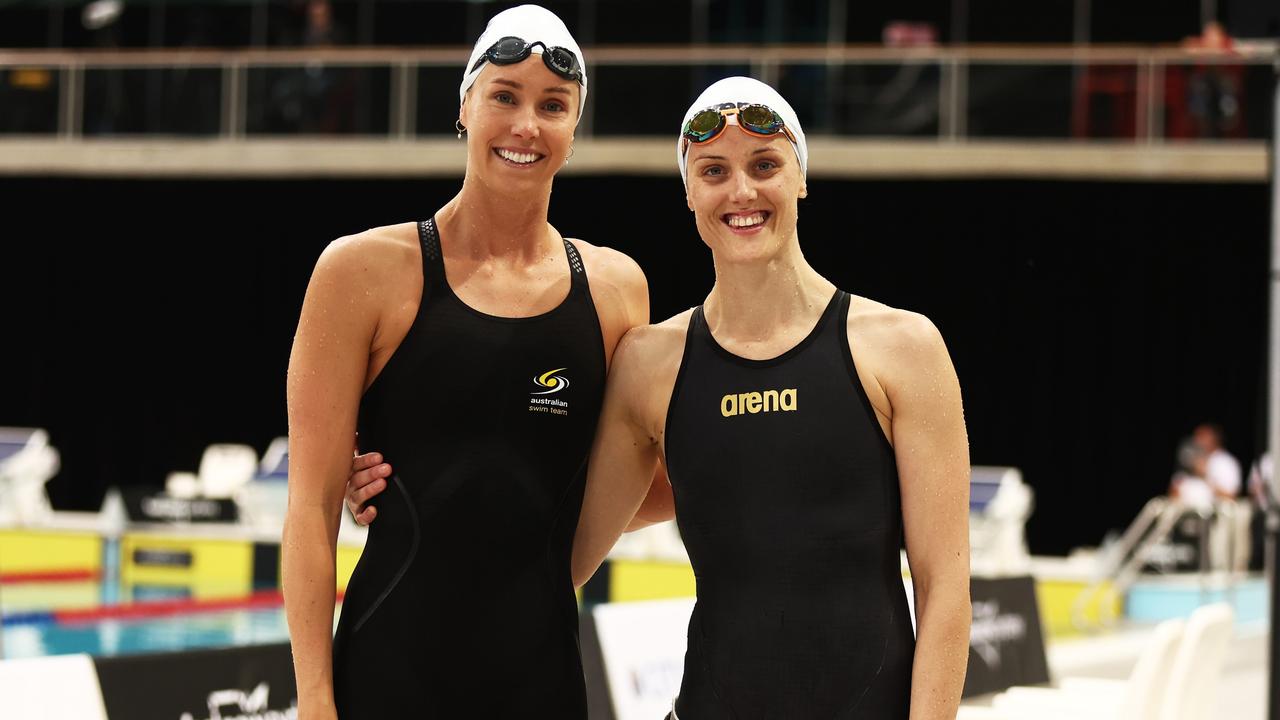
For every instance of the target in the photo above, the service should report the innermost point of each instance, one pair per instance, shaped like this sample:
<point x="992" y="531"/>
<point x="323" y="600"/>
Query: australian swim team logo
<point x="549" y="383"/>
<point x="758" y="402"/>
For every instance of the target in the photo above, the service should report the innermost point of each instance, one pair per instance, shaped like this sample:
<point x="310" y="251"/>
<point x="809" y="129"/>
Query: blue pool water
<point x="28" y="629"/>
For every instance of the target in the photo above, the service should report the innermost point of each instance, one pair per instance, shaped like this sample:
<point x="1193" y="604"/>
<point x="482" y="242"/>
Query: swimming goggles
<point x="753" y="118"/>
<point x="511" y="50"/>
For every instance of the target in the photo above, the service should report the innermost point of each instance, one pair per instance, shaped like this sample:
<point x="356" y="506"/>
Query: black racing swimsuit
<point x="462" y="604"/>
<point x="787" y="499"/>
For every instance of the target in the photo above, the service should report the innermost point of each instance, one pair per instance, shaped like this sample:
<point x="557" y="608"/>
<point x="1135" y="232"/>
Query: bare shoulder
<point x="618" y="288"/>
<point x="612" y="267"/>
<point x="897" y="352"/>
<point x="658" y="345"/>
<point x="371" y="280"/>
<point x="645" y="368"/>
<point x="876" y="326"/>
<point x="379" y="250"/>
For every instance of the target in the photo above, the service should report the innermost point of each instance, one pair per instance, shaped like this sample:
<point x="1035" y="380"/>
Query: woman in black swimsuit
<point x="471" y="350"/>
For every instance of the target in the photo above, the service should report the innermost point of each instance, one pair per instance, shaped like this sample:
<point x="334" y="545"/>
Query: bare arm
<point x="327" y="370"/>
<point x="932" y="452"/>
<point x="623" y="458"/>
<point x="659" y="503"/>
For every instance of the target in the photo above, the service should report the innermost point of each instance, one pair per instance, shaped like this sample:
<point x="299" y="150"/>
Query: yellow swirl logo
<point x="550" y="380"/>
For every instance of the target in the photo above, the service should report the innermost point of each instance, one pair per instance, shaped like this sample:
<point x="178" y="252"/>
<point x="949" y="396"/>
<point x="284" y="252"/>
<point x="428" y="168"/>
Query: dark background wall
<point x="232" y="23"/>
<point x="1092" y="324"/>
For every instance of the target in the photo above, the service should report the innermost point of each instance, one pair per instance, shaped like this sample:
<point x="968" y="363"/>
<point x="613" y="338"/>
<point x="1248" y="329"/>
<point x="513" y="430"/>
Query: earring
<point x="462" y="129"/>
<point x="566" y="157"/>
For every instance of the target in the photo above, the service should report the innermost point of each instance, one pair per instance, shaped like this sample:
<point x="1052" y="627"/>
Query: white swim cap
<point x="530" y="23"/>
<point x="745" y="90"/>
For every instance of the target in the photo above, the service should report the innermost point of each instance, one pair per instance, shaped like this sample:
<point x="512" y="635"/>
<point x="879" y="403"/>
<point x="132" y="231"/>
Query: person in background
<point x="1262" y="492"/>
<point x="1208" y="479"/>
<point x="1214" y="89"/>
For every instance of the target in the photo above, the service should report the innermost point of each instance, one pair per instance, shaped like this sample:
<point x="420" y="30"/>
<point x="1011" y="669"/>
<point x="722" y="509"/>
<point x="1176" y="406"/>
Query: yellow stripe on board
<point x="1056" y="597"/>
<point x="348" y="556"/>
<point x="45" y="597"/>
<point x="211" y="568"/>
<point x="631" y="580"/>
<point x="39" y="551"/>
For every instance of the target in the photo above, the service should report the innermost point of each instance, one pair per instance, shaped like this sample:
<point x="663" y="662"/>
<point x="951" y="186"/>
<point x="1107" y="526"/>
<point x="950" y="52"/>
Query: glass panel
<point x="630" y="100"/>
<point x="806" y="88"/>
<point x="875" y="99"/>
<point x="169" y="101"/>
<point x="1257" y="102"/>
<point x="1220" y="101"/>
<point x="319" y="99"/>
<point x="438" y="100"/>
<point x="1194" y="99"/>
<point x="1050" y="101"/>
<point x="29" y="100"/>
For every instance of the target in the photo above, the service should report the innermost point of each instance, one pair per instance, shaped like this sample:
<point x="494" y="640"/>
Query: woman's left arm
<point x="932" y="452"/>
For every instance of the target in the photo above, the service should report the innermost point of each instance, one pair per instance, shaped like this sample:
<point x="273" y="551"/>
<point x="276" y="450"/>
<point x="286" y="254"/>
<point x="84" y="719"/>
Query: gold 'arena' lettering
<point x="770" y="400"/>
<point x="758" y="402"/>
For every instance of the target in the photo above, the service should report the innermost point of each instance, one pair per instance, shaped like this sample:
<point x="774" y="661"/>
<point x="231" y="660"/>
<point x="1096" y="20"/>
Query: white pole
<point x="1273" y="405"/>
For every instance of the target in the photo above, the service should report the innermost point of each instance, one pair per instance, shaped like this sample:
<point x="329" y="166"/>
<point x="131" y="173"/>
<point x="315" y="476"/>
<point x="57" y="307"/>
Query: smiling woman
<point x="805" y="432"/>
<point x="461" y="347"/>
<point x="513" y="114"/>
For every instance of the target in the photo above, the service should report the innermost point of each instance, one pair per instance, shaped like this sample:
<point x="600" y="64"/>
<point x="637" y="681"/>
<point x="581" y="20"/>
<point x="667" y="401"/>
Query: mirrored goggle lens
<point x="704" y="125"/>
<point x="760" y="119"/>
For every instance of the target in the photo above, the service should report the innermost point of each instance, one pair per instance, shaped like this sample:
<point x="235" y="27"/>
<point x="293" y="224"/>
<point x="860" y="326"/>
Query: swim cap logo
<point x="550" y="380"/>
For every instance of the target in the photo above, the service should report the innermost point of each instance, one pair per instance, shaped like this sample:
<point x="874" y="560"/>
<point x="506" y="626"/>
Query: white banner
<point x="643" y="646"/>
<point x="61" y="687"/>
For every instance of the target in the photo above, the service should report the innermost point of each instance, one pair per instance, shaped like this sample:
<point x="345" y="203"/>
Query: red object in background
<point x="49" y="576"/>
<point x="900" y="33"/>
<point x="1113" y="87"/>
<point x="263" y="599"/>
<point x="1203" y="99"/>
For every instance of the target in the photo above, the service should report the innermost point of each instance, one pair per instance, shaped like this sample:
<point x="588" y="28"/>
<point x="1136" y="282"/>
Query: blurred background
<point x="1087" y="224"/>
<point x="1078" y="194"/>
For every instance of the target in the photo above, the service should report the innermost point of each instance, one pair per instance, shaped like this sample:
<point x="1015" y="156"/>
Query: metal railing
<point x="1123" y="562"/>
<point x="1062" y="92"/>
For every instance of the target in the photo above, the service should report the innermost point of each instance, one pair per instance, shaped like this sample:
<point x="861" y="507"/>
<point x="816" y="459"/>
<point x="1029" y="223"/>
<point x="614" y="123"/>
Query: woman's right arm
<point x="625" y="454"/>
<point x="327" y="370"/>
